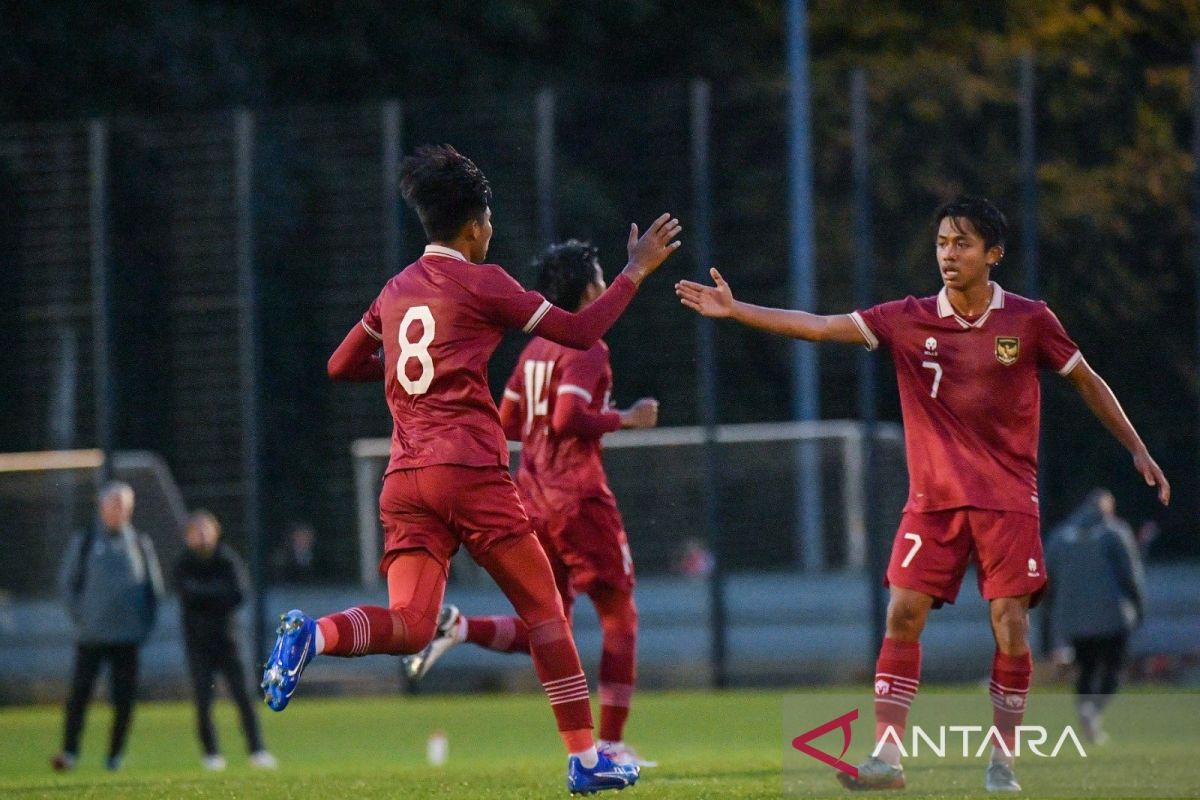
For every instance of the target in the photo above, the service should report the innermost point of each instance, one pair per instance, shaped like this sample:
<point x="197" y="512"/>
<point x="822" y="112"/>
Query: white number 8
<point x="418" y="350"/>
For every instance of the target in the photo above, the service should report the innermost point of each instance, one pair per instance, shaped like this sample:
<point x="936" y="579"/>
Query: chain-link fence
<point x="328" y="229"/>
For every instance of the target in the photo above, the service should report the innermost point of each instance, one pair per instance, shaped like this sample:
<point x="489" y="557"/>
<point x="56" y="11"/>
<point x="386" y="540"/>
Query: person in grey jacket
<point x="1096" y="599"/>
<point x="111" y="582"/>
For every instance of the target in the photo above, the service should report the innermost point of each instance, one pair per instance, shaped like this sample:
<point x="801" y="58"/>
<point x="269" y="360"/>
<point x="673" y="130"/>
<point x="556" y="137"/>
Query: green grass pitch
<point x="725" y="745"/>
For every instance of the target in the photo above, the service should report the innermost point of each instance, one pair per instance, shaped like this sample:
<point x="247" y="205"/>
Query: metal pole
<point x="706" y="355"/>
<point x="547" y="224"/>
<point x="393" y="130"/>
<point x="806" y="398"/>
<point x="102" y="310"/>
<point x="1029" y="192"/>
<point x="1027" y="107"/>
<point x="864" y="296"/>
<point x="1196" y="205"/>
<point x="249" y="367"/>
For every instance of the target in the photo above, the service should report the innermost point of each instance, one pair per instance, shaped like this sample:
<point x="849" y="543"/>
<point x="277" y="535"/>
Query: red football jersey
<point x="440" y="320"/>
<point x="970" y="396"/>
<point x="558" y="470"/>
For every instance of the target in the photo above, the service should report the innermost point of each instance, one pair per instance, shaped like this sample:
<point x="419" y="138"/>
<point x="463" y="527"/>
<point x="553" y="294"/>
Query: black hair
<point x="445" y="188"/>
<point x="565" y="270"/>
<point x="987" y="220"/>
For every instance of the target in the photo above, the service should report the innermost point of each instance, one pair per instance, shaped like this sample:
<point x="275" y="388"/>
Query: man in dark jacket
<point x="111" y="583"/>
<point x="1096" y="599"/>
<point x="212" y="584"/>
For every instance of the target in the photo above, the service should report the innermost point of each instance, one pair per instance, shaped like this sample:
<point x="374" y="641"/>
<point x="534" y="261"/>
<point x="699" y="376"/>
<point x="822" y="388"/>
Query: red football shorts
<point x="438" y="508"/>
<point x="587" y="547"/>
<point x="932" y="550"/>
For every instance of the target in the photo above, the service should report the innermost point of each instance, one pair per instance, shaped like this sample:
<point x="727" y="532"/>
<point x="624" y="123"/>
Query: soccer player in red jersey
<point x="967" y="363"/>
<point x="447" y="482"/>
<point x="557" y="405"/>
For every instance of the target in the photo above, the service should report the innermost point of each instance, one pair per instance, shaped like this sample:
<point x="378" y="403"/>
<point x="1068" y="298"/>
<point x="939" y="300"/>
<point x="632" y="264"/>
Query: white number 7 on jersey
<point x="937" y="375"/>
<point x="915" y="538"/>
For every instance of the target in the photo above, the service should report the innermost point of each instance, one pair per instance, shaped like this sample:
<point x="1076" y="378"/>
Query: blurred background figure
<point x="211" y="580"/>
<point x="295" y="561"/>
<point x="694" y="559"/>
<point x="111" y="583"/>
<point x="1097" y="596"/>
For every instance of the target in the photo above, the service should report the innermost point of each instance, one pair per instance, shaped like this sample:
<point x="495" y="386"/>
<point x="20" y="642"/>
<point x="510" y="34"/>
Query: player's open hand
<point x="642" y="414"/>
<point x="1153" y="476"/>
<point x="650" y="250"/>
<point x="711" y="301"/>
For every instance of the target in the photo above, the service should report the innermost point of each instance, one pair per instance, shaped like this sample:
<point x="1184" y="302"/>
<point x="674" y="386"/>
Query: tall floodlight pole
<point x="1029" y="192"/>
<point x="544" y="145"/>
<point x="1196" y="204"/>
<point x="249" y="365"/>
<point x="392" y="129"/>
<point x="864" y="297"/>
<point x="806" y="397"/>
<point x="706" y="356"/>
<point x="102" y="308"/>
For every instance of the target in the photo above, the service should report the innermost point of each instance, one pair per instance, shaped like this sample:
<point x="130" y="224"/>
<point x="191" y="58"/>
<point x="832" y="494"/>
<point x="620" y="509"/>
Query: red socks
<point x="618" y="660"/>
<point x="618" y="672"/>
<point x="416" y="582"/>
<point x="523" y="573"/>
<point x="1009" y="691"/>
<point x="897" y="677"/>
<point x="557" y="665"/>
<point x="502" y="634"/>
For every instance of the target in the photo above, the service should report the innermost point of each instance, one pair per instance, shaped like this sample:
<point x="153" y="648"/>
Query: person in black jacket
<point x="211" y="582"/>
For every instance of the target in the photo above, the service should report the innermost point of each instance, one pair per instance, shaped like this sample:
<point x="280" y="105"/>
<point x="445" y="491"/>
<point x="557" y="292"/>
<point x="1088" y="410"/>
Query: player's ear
<point x="995" y="255"/>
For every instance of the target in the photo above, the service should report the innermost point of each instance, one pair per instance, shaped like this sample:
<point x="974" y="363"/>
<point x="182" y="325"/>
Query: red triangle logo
<point x="801" y="743"/>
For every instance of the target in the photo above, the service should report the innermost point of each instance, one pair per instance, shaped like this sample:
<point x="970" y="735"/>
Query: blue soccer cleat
<point x="295" y="647"/>
<point x="600" y="778"/>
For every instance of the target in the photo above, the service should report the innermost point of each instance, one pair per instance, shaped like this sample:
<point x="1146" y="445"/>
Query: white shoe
<point x="263" y="760"/>
<point x="416" y="665"/>
<point x="214" y="763"/>
<point x="621" y="753"/>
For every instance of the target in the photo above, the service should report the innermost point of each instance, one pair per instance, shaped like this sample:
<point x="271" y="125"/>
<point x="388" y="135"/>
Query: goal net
<point x="658" y="476"/>
<point x="45" y="497"/>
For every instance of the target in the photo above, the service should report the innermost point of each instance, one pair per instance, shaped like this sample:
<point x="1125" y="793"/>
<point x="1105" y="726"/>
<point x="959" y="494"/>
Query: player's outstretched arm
<point x="649" y="251"/>
<point x="717" y="302"/>
<point x="356" y="358"/>
<point x="583" y="329"/>
<point x="1104" y="404"/>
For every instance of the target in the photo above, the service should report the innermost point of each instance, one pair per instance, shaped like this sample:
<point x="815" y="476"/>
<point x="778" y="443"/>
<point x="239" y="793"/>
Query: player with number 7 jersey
<point x="447" y="482"/>
<point x="967" y="365"/>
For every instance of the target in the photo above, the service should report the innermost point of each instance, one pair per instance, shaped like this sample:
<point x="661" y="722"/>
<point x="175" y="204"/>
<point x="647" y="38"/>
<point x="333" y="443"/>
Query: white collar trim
<point x="448" y="252"/>
<point x="945" y="309"/>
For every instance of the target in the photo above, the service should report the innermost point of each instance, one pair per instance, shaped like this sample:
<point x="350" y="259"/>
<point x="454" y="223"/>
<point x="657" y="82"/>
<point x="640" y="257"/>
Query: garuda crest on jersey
<point x="1008" y="350"/>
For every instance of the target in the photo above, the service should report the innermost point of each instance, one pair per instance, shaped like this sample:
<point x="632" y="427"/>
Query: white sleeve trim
<point x="569" y="388"/>
<point x="871" y="342"/>
<point x="509" y="394"/>
<point x="374" y="335"/>
<point x="1072" y="362"/>
<point x="537" y="317"/>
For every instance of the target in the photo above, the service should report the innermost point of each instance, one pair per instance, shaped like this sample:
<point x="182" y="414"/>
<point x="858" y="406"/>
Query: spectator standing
<point x="111" y="582"/>
<point x="211" y="580"/>
<point x="1097" y="600"/>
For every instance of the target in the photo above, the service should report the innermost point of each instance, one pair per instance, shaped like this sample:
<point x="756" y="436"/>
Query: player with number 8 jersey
<point x="557" y="405"/>
<point x="967" y="363"/>
<point x="447" y="483"/>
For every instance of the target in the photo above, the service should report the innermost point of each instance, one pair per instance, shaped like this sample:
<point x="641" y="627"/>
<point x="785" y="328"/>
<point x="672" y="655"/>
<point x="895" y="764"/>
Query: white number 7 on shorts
<point x="915" y="538"/>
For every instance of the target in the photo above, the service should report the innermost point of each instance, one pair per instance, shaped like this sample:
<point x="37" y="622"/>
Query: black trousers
<point x="123" y="664"/>
<point x="206" y="658"/>
<point x="1100" y="659"/>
